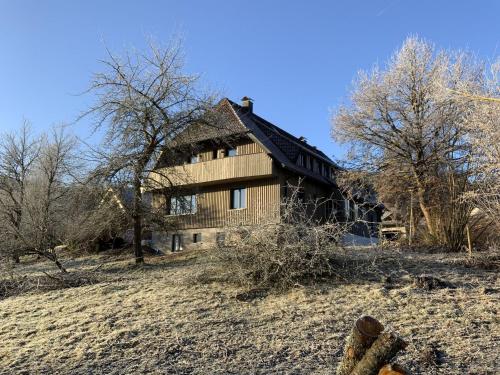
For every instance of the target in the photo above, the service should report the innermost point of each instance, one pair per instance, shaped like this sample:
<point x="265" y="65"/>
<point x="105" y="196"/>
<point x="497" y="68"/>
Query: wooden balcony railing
<point x="230" y="168"/>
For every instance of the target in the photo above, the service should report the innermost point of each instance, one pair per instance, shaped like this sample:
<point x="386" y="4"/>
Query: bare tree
<point x="18" y="153"/>
<point x="143" y="101"/>
<point x="46" y="203"/>
<point x="37" y="173"/>
<point x="406" y="125"/>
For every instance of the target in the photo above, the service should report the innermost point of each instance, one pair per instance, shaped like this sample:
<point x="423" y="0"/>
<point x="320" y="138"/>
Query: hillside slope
<point x="173" y="316"/>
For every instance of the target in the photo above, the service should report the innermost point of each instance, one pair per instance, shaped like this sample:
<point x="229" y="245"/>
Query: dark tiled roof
<point x="283" y="146"/>
<point x="235" y="120"/>
<point x="226" y="126"/>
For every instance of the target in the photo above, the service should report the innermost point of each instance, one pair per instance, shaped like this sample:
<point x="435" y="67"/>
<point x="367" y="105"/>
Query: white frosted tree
<point x="405" y="122"/>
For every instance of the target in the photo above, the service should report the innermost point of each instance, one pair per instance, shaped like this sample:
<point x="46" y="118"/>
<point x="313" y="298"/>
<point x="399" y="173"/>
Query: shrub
<point x="282" y="253"/>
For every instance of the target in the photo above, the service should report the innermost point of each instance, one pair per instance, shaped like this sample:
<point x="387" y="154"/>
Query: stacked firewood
<point x="369" y="350"/>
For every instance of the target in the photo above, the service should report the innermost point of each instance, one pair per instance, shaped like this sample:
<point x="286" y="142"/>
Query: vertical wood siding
<point x="249" y="148"/>
<point x="245" y="147"/>
<point x="262" y="204"/>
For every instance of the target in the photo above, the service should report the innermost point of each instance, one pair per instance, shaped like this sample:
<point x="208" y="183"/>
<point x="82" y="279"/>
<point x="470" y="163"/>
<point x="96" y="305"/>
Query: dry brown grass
<point x="163" y="319"/>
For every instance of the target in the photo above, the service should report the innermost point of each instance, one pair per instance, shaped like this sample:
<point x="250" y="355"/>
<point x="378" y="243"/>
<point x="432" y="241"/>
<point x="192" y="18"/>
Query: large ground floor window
<point x="183" y="205"/>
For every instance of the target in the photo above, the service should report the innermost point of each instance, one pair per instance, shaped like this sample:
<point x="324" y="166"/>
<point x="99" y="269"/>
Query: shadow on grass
<point x="154" y="263"/>
<point x="354" y="267"/>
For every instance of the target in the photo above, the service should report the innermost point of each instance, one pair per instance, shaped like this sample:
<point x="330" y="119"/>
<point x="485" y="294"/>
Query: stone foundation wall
<point x="163" y="240"/>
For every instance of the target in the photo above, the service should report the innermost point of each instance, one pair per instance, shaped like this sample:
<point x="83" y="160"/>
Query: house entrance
<point x="176" y="242"/>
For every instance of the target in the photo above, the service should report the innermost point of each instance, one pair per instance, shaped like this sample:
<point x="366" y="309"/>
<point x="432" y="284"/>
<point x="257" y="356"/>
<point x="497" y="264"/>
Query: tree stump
<point x="383" y="349"/>
<point x="364" y="333"/>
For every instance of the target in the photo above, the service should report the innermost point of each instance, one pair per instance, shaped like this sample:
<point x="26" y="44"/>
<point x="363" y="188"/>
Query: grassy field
<point x="176" y="316"/>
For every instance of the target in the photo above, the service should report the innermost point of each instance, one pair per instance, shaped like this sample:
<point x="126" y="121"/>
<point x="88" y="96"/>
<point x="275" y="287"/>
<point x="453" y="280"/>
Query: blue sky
<point x="296" y="59"/>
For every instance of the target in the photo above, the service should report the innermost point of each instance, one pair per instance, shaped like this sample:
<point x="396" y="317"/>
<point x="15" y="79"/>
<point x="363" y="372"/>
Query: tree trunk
<point x="364" y="333"/>
<point x="418" y="176"/>
<point x="60" y="266"/>
<point x="137" y="216"/>
<point x="380" y="353"/>
<point x="52" y="257"/>
<point x="425" y="211"/>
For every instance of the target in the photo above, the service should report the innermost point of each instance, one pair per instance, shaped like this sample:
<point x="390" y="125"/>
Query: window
<point x="347" y="209"/>
<point x="354" y="211"/>
<point x="183" y="205"/>
<point x="315" y="166"/>
<point x="193" y="159"/>
<point x="361" y="213"/>
<point x="323" y="170"/>
<point x="300" y="160"/>
<point x="196" y="237"/>
<point x="238" y="198"/>
<point x="214" y="154"/>
<point x="330" y="210"/>
<point x="231" y="152"/>
<point x="301" y="195"/>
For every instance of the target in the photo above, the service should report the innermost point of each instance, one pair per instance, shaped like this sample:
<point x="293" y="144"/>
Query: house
<point x="239" y="174"/>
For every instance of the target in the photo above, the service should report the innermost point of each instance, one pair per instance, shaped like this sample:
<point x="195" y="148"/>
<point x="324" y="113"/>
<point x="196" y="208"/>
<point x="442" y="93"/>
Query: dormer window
<point x="231" y="152"/>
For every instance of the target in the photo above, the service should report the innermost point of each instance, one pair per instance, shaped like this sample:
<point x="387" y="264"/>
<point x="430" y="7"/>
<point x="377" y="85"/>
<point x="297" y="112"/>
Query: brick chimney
<point x="247" y="104"/>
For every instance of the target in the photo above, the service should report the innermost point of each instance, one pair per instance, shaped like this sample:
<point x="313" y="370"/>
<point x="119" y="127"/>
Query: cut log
<point x="392" y="370"/>
<point x="364" y="333"/>
<point x="381" y="352"/>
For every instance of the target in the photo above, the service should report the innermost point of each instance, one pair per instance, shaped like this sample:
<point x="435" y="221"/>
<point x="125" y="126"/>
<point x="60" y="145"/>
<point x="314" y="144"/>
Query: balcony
<point x="234" y="168"/>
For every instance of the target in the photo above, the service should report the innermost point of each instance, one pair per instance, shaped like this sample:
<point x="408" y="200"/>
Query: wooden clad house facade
<point x="238" y="175"/>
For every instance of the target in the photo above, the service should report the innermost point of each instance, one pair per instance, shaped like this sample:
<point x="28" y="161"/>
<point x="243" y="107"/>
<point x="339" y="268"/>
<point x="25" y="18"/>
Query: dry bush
<point x="15" y="285"/>
<point x="280" y="254"/>
<point x="485" y="260"/>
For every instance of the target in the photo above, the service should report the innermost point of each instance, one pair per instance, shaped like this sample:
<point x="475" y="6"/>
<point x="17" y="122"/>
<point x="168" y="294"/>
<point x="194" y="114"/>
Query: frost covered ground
<point x="176" y="316"/>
